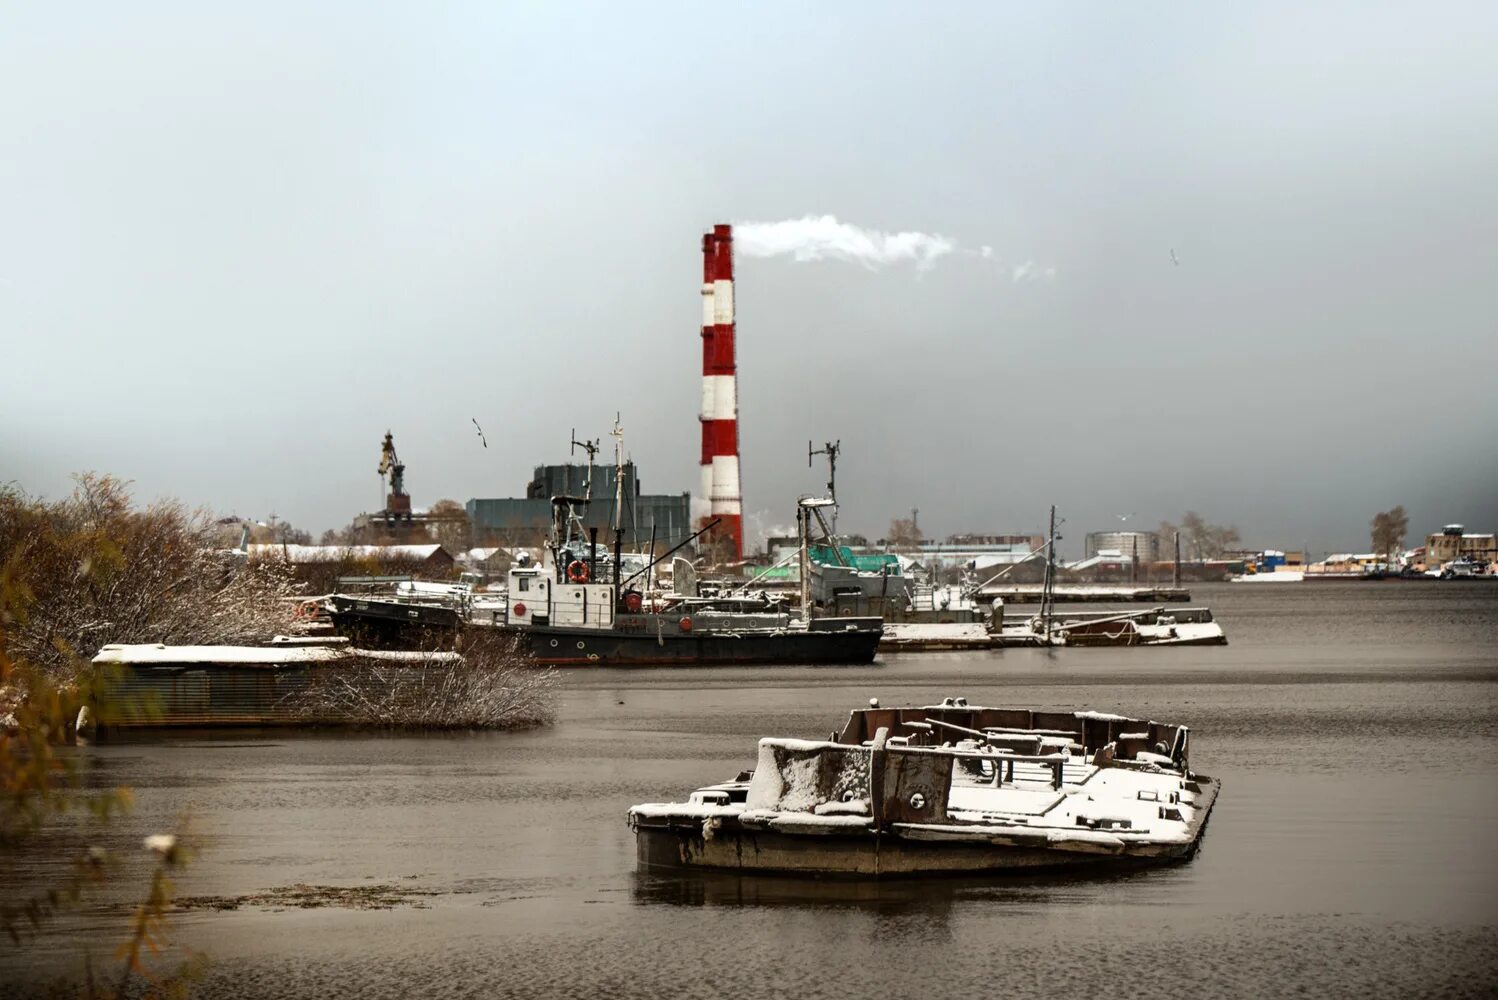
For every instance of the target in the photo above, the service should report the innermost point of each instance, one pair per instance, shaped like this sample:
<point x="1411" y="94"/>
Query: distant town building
<point x="1454" y="542"/>
<point x="525" y="520"/>
<point x="1128" y="544"/>
<point x="978" y="551"/>
<point x="981" y="551"/>
<point x="429" y="560"/>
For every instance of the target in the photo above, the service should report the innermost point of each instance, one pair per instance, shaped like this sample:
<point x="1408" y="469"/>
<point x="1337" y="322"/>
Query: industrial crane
<point x="398" y="502"/>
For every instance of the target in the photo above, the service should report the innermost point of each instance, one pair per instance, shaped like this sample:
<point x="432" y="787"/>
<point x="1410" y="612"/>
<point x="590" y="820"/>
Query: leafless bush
<point x="493" y="685"/>
<point x="94" y="569"/>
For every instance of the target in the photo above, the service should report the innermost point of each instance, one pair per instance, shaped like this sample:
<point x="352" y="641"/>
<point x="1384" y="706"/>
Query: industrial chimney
<point x="720" y="394"/>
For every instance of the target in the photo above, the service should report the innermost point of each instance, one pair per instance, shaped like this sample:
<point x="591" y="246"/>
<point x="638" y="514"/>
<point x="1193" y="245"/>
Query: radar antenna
<point x="592" y="448"/>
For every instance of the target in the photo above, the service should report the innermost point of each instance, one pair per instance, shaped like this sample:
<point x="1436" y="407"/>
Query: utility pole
<point x="1175" y="576"/>
<point x="1046" y="601"/>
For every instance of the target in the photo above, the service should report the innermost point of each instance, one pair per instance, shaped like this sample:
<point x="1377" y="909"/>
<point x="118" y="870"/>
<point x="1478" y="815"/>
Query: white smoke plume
<point x="1029" y="272"/>
<point x="819" y="237"/>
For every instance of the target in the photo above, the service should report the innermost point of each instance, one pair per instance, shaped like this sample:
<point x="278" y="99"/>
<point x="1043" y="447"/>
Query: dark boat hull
<point x="727" y="845"/>
<point x="372" y="623"/>
<point x="560" y="646"/>
<point x="760" y="852"/>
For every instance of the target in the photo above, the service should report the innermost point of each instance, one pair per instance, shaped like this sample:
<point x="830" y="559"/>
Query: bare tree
<point x="1388" y="530"/>
<point x="904" y="534"/>
<point x="1165" y="536"/>
<point x="449" y="525"/>
<point x="1199" y="539"/>
<point x="100" y="570"/>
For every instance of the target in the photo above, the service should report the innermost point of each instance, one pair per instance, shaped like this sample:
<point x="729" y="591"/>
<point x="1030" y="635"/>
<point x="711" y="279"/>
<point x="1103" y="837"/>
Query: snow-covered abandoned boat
<point x="1145" y="627"/>
<point x="944" y="789"/>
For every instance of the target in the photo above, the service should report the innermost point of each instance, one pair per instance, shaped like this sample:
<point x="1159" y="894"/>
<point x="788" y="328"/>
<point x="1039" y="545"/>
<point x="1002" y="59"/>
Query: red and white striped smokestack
<point x="720" y="391"/>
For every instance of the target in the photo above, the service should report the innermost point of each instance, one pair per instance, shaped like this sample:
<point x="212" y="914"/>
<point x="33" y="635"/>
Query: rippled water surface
<point x="1353" y="850"/>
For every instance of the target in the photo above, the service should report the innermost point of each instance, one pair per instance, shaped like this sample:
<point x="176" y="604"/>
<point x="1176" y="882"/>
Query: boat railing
<point x="369" y="584"/>
<point x="1086" y="732"/>
<point x="998" y="767"/>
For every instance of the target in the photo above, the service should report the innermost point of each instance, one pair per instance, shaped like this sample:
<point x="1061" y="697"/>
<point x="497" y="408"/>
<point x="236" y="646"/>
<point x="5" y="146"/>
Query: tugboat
<point x="587" y="609"/>
<point x="944" y="789"/>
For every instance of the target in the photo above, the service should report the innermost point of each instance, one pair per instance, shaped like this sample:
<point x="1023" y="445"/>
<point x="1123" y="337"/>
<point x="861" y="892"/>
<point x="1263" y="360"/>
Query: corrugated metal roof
<point x="146" y="654"/>
<point x="337" y="553"/>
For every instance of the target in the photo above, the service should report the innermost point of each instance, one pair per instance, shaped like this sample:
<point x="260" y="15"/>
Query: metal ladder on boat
<point x="924" y="597"/>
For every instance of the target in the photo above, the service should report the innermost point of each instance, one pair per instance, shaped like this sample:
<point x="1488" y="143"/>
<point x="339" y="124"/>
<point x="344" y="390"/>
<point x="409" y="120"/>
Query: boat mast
<point x="830" y="449"/>
<point x="564" y="508"/>
<point x="803" y="530"/>
<point x="618" y="435"/>
<point x="591" y="447"/>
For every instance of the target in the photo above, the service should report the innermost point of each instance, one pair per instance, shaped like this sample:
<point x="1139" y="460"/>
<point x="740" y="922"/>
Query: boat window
<point x="525" y="583"/>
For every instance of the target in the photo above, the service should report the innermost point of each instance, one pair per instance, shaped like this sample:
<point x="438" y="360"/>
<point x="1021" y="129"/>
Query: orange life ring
<point x="519" y="609"/>
<point x="685" y="624"/>
<point x="577" y="571"/>
<point x="633" y="602"/>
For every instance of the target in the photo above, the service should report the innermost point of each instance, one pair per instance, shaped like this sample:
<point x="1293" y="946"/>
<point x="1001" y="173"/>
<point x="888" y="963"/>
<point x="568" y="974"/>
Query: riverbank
<point x="1355" y="730"/>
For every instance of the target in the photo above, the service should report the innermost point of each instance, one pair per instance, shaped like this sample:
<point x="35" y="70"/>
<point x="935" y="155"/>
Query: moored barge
<point x="944" y="789"/>
<point x="157" y="685"/>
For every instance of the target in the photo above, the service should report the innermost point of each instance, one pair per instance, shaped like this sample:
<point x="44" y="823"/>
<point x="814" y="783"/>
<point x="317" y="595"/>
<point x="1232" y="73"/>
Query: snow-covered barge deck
<point x="944" y="789"/>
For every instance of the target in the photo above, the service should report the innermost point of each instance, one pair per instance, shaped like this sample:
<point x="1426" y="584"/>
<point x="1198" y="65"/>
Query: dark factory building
<point x="525" y="520"/>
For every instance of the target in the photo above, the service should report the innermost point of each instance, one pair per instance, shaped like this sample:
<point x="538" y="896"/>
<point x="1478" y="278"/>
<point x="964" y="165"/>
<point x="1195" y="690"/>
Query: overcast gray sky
<point x="239" y="243"/>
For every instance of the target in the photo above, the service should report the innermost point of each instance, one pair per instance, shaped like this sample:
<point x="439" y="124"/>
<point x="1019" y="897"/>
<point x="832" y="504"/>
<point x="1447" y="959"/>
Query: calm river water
<point x="1353" y="851"/>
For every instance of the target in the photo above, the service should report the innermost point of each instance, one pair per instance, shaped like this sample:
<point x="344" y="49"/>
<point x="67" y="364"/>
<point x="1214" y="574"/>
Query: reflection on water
<point x="933" y="897"/>
<point x="1350" y="852"/>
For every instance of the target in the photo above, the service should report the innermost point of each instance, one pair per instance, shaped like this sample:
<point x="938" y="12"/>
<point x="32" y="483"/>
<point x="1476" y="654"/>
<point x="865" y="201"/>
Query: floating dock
<point x="1030" y="593"/>
<point x="934" y="637"/>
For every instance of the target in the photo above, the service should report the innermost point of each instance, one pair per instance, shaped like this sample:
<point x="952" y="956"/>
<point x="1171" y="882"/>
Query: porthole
<point x="579" y="644"/>
<point x="553" y="643"/>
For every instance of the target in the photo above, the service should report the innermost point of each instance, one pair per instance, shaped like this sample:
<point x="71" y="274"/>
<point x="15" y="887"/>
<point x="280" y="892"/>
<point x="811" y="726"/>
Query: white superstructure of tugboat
<point x="944" y="789"/>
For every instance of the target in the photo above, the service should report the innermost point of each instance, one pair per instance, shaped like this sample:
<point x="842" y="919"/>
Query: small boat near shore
<point x="411" y="614"/>
<point x="1146" y="627"/>
<point x="944" y="789"/>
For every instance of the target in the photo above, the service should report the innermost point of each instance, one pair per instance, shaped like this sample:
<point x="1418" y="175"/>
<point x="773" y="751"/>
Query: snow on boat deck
<point x="931" y="635"/>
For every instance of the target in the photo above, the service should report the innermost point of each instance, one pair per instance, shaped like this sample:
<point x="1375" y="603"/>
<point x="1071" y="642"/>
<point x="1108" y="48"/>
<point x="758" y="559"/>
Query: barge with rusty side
<point x="944" y="789"/>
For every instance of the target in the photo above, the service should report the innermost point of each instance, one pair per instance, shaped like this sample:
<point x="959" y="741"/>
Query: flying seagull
<point x="1173" y="258"/>
<point x="1124" y="517"/>
<point x="480" y="430"/>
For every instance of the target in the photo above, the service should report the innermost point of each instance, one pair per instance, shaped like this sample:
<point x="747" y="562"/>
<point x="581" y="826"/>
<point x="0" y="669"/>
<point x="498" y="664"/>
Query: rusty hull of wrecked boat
<point x="946" y="789"/>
